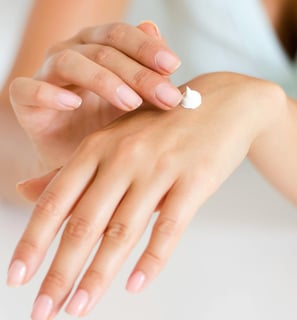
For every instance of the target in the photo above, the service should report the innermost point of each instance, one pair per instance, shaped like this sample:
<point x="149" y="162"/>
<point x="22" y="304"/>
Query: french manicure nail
<point x="168" y="94"/>
<point x="167" y="61"/>
<point x="69" y="100"/>
<point x="136" y="281"/>
<point x="78" y="303"/>
<point x="42" y="308"/>
<point x="16" y="273"/>
<point x="128" y="97"/>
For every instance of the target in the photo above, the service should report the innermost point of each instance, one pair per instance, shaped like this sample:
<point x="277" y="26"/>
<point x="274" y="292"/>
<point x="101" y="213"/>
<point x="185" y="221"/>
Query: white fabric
<point x="238" y="259"/>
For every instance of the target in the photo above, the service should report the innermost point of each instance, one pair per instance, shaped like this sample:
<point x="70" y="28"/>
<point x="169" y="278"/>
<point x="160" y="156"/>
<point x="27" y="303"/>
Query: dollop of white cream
<point x="191" y="99"/>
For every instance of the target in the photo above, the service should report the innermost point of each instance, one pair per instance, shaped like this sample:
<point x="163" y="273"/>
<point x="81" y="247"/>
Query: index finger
<point x="150" y="51"/>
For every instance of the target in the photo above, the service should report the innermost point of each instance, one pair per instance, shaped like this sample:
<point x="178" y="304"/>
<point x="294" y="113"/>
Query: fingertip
<point x="16" y="274"/>
<point x="136" y="282"/>
<point x="68" y="100"/>
<point x="150" y="28"/>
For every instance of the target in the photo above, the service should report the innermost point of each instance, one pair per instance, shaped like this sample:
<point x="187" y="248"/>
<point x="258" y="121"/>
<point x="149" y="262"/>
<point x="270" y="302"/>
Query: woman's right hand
<point x="88" y="81"/>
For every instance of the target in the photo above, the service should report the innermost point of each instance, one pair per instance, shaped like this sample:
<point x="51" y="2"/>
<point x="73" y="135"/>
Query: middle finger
<point x="149" y="84"/>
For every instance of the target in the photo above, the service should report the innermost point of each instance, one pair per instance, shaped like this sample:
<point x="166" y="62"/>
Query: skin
<point x="186" y="154"/>
<point x="45" y="27"/>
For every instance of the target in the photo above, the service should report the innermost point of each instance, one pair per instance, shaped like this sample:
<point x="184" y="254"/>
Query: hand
<point x="90" y="80"/>
<point x="145" y="161"/>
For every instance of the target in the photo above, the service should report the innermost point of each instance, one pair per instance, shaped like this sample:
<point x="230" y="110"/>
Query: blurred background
<point x="237" y="260"/>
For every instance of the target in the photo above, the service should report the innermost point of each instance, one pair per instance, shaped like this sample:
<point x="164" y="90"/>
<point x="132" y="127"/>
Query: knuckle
<point x="99" y="80"/>
<point x="62" y="59"/>
<point x="166" y="162"/>
<point x="90" y="142"/>
<point x="47" y="205"/>
<point x="166" y="226"/>
<point x="116" y="32"/>
<point x="77" y="228"/>
<point x="142" y="76"/>
<point x="95" y="276"/>
<point x="154" y="258"/>
<point x="131" y="147"/>
<point x="118" y="232"/>
<point x="102" y="55"/>
<point x="25" y="246"/>
<point x="144" y="47"/>
<point x="55" y="279"/>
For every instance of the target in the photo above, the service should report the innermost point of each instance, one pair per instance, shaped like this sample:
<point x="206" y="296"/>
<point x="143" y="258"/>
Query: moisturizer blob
<point x="191" y="99"/>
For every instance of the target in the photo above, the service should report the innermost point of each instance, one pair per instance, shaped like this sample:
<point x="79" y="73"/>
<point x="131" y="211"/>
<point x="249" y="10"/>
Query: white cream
<point x="192" y="99"/>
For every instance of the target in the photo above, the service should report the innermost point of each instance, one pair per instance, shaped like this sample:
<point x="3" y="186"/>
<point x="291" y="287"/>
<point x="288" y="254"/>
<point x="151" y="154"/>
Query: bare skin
<point x="46" y="26"/>
<point x="143" y="161"/>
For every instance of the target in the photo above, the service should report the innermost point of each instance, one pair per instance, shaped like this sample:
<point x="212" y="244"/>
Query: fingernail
<point x="167" y="61"/>
<point x="168" y="94"/>
<point x="42" y="308"/>
<point x="128" y="97"/>
<point x="16" y="273"/>
<point x="154" y="30"/>
<point x="136" y="281"/>
<point x="78" y="303"/>
<point x="69" y="100"/>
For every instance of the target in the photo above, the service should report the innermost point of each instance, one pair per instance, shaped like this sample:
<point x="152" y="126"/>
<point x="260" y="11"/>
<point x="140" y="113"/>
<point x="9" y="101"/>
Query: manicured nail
<point x="42" y="308"/>
<point x="136" y="281"/>
<point x="128" y="97"/>
<point x="168" y="94"/>
<point x="167" y="61"/>
<point x="16" y="273"/>
<point x="69" y="100"/>
<point x="154" y="30"/>
<point x="78" y="303"/>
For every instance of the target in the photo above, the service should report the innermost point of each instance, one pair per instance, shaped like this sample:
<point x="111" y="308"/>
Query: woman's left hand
<point x="145" y="161"/>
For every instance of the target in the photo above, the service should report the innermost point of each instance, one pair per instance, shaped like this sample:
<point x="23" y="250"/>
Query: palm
<point x="57" y="134"/>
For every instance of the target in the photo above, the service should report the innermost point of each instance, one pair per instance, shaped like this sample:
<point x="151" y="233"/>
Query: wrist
<point x="268" y="113"/>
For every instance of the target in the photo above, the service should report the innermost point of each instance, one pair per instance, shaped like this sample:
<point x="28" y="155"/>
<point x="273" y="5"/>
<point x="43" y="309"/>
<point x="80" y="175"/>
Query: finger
<point x="32" y="189"/>
<point x="123" y="232"/>
<point x="27" y="92"/>
<point x="177" y="211"/>
<point x="133" y="42"/>
<point x="83" y="230"/>
<point x="150" y="28"/>
<point x="51" y="210"/>
<point x="69" y="67"/>
<point x="150" y="85"/>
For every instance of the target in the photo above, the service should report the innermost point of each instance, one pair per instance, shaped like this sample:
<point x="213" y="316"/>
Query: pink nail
<point x="167" y="61"/>
<point x="128" y="97"/>
<point x="168" y="94"/>
<point x="69" y="100"/>
<point x="42" y="308"/>
<point x="16" y="273"/>
<point x="78" y="303"/>
<point x="136" y="281"/>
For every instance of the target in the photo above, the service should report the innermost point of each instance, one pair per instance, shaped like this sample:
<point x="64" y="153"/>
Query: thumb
<point x="31" y="189"/>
